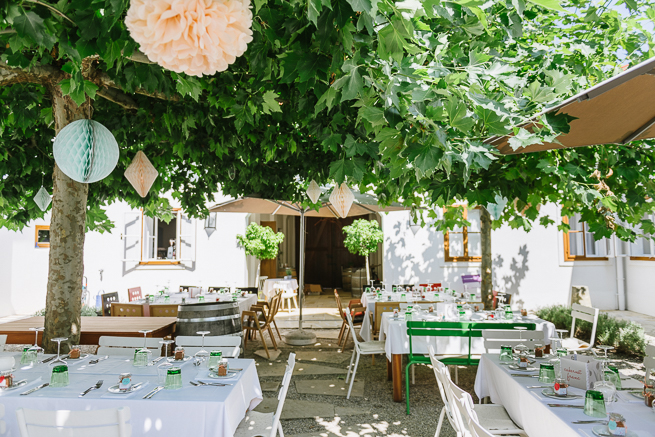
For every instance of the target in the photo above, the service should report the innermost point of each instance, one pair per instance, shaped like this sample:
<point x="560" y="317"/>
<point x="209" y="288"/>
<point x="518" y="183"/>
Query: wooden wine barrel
<point x="358" y="282"/>
<point x="346" y="279"/>
<point x="219" y="318"/>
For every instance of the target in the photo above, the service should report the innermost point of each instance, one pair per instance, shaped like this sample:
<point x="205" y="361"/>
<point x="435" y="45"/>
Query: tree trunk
<point x="485" y="237"/>
<point x="368" y="272"/>
<point x="68" y="216"/>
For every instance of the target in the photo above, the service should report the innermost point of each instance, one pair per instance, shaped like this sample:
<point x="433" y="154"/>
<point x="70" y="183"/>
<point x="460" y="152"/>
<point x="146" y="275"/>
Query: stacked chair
<point x="356" y="312"/>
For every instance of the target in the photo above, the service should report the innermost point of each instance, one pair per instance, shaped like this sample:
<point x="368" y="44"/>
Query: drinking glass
<point x="202" y="354"/>
<point x="59" y="376"/>
<point x="520" y="329"/>
<point x="201" y="298"/>
<point x="547" y="373"/>
<point x="506" y="354"/>
<point x="173" y="378"/>
<point x="609" y="392"/>
<point x="141" y="357"/>
<point x="214" y="358"/>
<point x="167" y="299"/>
<point x="594" y="405"/>
<point x="612" y="375"/>
<point x="29" y="355"/>
<point x="59" y="360"/>
<point x="462" y="316"/>
<point x="162" y="372"/>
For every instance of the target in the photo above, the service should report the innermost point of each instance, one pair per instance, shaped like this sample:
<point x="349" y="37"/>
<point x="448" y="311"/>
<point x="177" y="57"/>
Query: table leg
<point x="397" y="376"/>
<point x="389" y="370"/>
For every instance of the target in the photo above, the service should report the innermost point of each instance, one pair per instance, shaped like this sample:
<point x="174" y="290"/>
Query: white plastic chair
<point x="125" y="346"/>
<point x="364" y="348"/>
<point x="230" y="345"/>
<point x="584" y="313"/>
<point x="3" y="341"/>
<point x="649" y="361"/>
<point x="261" y="424"/>
<point x="288" y="297"/>
<point x="98" y="423"/>
<point x="495" y="338"/>
<point x="440" y="370"/>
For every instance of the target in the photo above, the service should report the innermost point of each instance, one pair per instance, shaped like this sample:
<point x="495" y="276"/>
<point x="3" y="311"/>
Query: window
<point x="42" y="236"/>
<point x="463" y="244"/>
<point x="579" y="243"/>
<point x="643" y="248"/>
<point x="148" y="240"/>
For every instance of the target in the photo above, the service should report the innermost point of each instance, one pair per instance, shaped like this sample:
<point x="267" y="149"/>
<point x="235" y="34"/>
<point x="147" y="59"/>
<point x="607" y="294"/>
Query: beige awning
<point x="616" y="111"/>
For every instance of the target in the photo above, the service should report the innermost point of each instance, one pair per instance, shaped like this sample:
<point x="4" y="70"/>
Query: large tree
<point x="391" y="96"/>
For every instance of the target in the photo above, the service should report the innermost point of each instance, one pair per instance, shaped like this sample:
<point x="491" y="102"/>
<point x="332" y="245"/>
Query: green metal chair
<point x="469" y="330"/>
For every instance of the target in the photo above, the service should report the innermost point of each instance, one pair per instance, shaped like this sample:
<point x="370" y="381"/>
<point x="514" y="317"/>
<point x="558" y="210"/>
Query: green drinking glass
<point x="29" y="355"/>
<point x="509" y="315"/>
<point x="167" y="299"/>
<point x="547" y="373"/>
<point x="612" y="375"/>
<point x="214" y="358"/>
<point x="562" y="352"/>
<point x="201" y="298"/>
<point x="173" y="379"/>
<point x="506" y="354"/>
<point x="59" y="377"/>
<point x="462" y="316"/>
<point x="594" y="405"/>
<point x="141" y="357"/>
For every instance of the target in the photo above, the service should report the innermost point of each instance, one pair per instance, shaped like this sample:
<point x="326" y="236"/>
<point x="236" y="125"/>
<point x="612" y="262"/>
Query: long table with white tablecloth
<point x="189" y="411"/>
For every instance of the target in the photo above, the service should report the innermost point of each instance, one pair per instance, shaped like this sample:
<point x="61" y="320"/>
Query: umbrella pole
<point x="300" y="337"/>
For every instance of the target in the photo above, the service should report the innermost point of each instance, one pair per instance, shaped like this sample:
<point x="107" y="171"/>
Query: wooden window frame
<point x="36" y="235"/>
<point x="446" y="241"/>
<point x="567" y="246"/>
<point x="162" y="262"/>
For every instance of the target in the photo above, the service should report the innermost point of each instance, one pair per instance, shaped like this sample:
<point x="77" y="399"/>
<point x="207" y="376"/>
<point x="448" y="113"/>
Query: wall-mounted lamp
<point x="210" y="221"/>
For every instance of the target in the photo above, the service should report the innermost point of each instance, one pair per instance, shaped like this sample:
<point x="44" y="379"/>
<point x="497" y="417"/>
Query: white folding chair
<point x="361" y="348"/>
<point x="230" y="345"/>
<point x="584" y="313"/>
<point x="3" y="341"/>
<point x="477" y="430"/>
<point x="495" y="338"/>
<point x="125" y="346"/>
<point x="440" y="370"/>
<point x="3" y="425"/>
<point x="649" y="361"/>
<point x="98" y="423"/>
<point x="261" y="424"/>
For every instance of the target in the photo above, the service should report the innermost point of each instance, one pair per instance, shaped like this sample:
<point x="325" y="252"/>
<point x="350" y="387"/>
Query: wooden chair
<point x="215" y="289"/>
<point x="166" y="310"/>
<point x="268" y="424"/>
<point x="649" y="361"/>
<point x="357" y="313"/>
<point x="382" y="307"/>
<point x="252" y="323"/>
<point x="107" y="300"/>
<point x="230" y="345"/>
<point x="264" y="307"/>
<point x="126" y="310"/>
<point x="584" y="313"/>
<point x="3" y="341"/>
<point x="363" y="348"/>
<point x="125" y="346"/>
<point x="495" y="338"/>
<point x="134" y="293"/>
<point x="102" y="423"/>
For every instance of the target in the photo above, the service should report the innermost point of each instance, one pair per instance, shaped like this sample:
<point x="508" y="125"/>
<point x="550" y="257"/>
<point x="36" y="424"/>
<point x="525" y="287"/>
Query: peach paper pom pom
<point x="196" y="37"/>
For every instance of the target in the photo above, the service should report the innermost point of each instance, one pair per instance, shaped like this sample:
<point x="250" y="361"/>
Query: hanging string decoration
<point x="141" y="173"/>
<point x="313" y="191"/>
<point x="85" y="151"/>
<point x="342" y="199"/>
<point x="42" y="198"/>
<point x="196" y="37"/>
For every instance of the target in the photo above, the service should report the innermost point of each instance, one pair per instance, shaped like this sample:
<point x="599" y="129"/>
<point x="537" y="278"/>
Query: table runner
<point x="189" y="411"/>
<point x="530" y="410"/>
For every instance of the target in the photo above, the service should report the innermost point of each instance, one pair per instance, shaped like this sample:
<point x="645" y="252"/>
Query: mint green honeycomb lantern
<point x="86" y="151"/>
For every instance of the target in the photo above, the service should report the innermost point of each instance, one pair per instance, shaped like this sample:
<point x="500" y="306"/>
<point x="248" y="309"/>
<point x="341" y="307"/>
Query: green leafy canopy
<point x="363" y="237"/>
<point x="261" y="241"/>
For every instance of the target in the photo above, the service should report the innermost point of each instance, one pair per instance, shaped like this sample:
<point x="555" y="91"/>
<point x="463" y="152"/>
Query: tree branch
<point x="52" y="8"/>
<point x="104" y="80"/>
<point x="139" y="56"/>
<point x="118" y="97"/>
<point x="36" y="74"/>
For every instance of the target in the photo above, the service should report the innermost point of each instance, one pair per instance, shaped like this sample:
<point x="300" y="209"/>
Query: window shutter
<point x="187" y="238"/>
<point x="132" y="237"/>
<point x="149" y="243"/>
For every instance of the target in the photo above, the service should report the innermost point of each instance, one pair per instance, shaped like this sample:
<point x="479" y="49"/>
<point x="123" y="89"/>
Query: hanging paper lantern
<point x="86" y="151"/>
<point x="195" y="37"/>
<point x="313" y="191"/>
<point x="342" y="199"/>
<point x="141" y="173"/>
<point x="414" y="225"/>
<point x="42" y="198"/>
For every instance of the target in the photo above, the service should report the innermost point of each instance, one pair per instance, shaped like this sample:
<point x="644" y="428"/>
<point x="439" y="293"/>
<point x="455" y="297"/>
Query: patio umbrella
<point x="363" y="204"/>
<point x="616" y="111"/>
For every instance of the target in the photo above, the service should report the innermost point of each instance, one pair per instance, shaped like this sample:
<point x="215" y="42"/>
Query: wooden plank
<point x="93" y="328"/>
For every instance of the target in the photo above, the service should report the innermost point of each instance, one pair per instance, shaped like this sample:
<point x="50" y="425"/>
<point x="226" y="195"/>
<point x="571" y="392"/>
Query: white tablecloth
<point x="394" y="333"/>
<point x="189" y="411"/>
<point x="176" y="299"/>
<point x="528" y="408"/>
<point x="287" y="285"/>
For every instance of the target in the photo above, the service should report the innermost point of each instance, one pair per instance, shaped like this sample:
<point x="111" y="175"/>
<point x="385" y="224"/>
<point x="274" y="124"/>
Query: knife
<point x="49" y="359"/>
<point x="518" y="375"/>
<point x="580" y="422"/>
<point x="35" y="389"/>
<point x="539" y="386"/>
<point x="566" y="406"/>
<point x="158" y="389"/>
<point x="155" y="361"/>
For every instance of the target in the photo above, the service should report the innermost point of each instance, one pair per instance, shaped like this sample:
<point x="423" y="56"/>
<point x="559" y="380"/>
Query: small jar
<point x="523" y="361"/>
<point x="649" y="397"/>
<point x="524" y="312"/>
<point x="223" y="367"/>
<point x="431" y="309"/>
<point x="179" y="353"/>
<point x="124" y="381"/>
<point x="538" y="350"/>
<point x="561" y="387"/>
<point x="74" y="352"/>
<point x="616" y="424"/>
<point x="6" y="379"/>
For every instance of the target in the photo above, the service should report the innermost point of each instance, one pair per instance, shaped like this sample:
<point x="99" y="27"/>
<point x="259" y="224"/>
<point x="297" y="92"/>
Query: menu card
<point x="581" y="371"/>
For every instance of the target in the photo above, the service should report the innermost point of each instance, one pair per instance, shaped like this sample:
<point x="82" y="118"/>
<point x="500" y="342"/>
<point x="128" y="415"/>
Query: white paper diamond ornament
<point x="86" y="151"/>
<point x="42" y="198"/>
<point x="141" y="173"/>
<point x="342" y="199"/>
<point x="313" y="191"/>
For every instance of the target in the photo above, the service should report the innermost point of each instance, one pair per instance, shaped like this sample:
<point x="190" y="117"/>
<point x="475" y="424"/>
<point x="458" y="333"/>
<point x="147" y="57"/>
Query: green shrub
<point x="87" y="311"/>
<point x="626" y="337"/>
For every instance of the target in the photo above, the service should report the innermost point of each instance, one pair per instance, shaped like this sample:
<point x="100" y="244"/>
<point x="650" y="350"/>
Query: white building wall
<point x="640" y="285"/>
<point x="529" y="265"/>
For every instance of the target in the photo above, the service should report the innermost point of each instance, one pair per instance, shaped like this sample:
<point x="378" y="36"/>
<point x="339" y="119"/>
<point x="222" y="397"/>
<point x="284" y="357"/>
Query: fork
<point x="95" y="387"/>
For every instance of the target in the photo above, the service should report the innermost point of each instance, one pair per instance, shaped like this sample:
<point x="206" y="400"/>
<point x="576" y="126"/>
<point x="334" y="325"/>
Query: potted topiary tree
<point x="363" y="237"/>
<point x="261" y="242"/>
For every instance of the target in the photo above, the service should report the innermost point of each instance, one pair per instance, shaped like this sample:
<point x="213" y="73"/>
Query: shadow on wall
<point x="412" y="261"/>
<point x="511" y="283"/>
